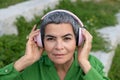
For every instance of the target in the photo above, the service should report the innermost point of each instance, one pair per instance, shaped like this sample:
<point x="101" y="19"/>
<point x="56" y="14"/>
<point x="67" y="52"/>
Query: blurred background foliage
<point x="114" y="72"/>
<point x="6" y="3"/>
<point x="95" y="15"/>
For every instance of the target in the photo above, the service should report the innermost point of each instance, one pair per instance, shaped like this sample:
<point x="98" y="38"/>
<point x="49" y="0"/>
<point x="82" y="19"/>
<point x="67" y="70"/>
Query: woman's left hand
<point x="83" y="52"/>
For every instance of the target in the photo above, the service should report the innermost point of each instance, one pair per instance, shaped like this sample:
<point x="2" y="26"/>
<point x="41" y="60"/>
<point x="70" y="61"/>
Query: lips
<point x="59" y="55"/>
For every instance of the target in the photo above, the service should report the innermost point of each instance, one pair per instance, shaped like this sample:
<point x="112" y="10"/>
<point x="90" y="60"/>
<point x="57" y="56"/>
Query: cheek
<point x="71" y="44"/>
<point x="48" y="46"/>
<point x="71" y="48"/>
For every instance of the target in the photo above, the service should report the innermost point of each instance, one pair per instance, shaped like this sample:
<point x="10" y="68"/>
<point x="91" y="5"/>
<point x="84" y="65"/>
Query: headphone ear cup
<point x="38" y="40"/>
<point x="80" y="38"/>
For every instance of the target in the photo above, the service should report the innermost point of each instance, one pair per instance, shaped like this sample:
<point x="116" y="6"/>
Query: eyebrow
<point x="67" y="35"/>
<point x="62" y="36"/>
<point x="49" y="36"/>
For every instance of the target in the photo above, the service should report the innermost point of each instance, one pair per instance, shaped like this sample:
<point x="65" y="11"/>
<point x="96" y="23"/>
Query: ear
<point x="38" y="40"/>
<point x="81" y="38"/>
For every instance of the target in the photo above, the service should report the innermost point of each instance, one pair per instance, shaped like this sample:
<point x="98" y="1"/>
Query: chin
<point x="59" y="61"/>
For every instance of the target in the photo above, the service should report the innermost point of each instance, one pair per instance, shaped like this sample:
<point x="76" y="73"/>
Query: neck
<point x="64" y="67"/>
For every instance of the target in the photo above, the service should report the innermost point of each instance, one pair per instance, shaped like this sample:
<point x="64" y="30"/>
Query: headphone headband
<point x="80" y="39"/>
<point x="59" y="10"/>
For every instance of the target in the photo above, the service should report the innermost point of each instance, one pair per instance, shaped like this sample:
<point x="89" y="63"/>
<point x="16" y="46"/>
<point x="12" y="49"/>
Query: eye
<point x="67" y="38"/>
<point x="50" y="39"/>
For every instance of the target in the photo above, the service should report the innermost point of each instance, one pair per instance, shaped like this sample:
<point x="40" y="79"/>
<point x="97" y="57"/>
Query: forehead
<point x="59" y="29"/>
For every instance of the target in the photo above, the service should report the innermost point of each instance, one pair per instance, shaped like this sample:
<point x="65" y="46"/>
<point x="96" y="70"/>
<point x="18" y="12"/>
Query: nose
<point x="59" y="45"/>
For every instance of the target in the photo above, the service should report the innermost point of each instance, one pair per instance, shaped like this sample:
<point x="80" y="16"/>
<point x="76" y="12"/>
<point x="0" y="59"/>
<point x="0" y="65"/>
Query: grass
<point x="94" y="16"/>
<point x="6" y="3"/>
<point x="114" y="72"/>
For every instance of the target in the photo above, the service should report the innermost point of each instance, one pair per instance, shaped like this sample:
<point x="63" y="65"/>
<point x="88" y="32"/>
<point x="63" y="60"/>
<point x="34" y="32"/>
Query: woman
<point x="60" y="33"/>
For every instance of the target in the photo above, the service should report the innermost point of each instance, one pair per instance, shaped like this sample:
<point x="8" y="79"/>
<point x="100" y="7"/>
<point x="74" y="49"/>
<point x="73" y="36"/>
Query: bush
<point x="10" y="48"/>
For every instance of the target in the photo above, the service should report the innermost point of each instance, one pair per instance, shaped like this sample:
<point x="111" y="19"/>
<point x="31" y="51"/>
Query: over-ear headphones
<point x="80" y="38"/>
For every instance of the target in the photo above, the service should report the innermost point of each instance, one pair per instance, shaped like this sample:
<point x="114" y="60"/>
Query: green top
<point x="45" y="70"/>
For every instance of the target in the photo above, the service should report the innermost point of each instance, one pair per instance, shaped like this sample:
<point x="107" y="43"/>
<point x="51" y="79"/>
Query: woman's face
<point x="59" y="42"/>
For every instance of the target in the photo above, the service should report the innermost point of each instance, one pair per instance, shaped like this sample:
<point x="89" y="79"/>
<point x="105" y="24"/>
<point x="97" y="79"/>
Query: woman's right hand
<point x="32" y="53"/>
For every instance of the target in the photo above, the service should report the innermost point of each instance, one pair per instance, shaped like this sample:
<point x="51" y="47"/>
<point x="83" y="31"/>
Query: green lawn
<point x="114" y="72"/>
<point x="6" y="3"/>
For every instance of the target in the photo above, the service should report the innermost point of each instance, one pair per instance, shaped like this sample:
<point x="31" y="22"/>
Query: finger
<point x="36" y="31"/>
<point x="34" y="28"/>
<point x="88" y="39"/>
<point x="31" y="37"/>
<point x="86" y="34"/>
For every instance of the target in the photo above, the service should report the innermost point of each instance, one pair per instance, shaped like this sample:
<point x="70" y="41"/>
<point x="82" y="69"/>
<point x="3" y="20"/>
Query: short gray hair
<point x="59" y="17"/>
